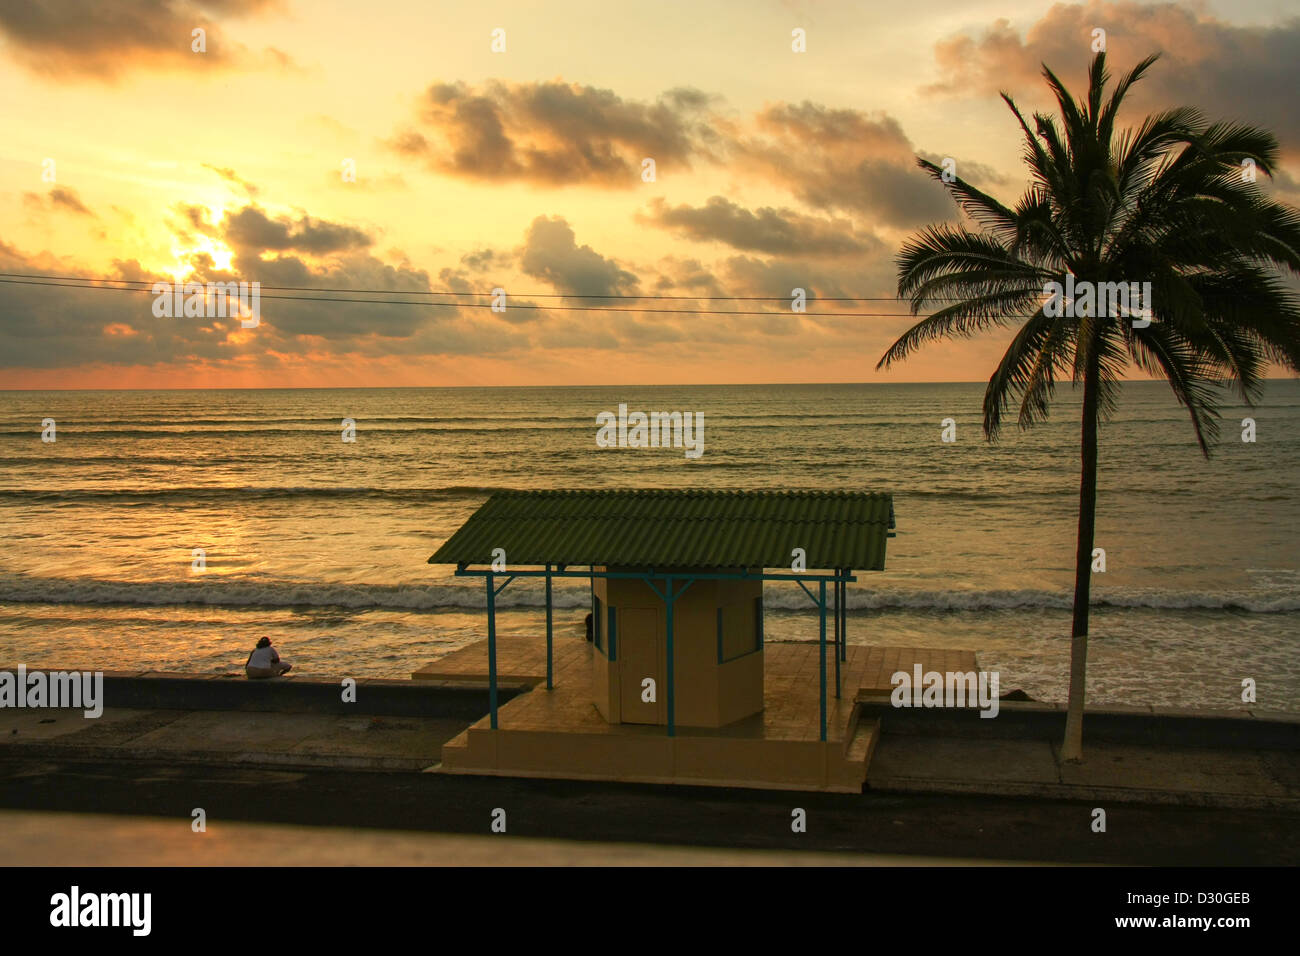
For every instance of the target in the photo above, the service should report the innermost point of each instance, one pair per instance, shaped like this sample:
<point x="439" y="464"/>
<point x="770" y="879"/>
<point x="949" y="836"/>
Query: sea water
<point x="321" y="544"/>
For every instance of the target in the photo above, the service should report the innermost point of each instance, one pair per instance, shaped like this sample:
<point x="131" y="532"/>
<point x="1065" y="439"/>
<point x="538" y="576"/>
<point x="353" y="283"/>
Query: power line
<point x="488" y="305"/>
<point x="524" y="295"/>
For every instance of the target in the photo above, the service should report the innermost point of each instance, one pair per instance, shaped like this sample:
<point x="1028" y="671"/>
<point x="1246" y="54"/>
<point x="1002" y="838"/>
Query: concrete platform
<point x="357" y="742"/>
<point x="1110" y="773"/>
<point x="559" y="733"/>
<point x="295" y="692"/>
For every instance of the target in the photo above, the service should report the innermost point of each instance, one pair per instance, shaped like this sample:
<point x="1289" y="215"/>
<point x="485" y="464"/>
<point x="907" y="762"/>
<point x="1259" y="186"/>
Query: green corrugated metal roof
<point x="676" y="529"/>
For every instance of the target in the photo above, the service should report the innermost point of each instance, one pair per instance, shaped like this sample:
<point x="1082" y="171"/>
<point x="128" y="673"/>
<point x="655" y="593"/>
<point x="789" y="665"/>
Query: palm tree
<point x="1173" y="203"/>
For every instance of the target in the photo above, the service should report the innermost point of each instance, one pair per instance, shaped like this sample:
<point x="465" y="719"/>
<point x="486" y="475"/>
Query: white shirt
<point x="262" y="657"/>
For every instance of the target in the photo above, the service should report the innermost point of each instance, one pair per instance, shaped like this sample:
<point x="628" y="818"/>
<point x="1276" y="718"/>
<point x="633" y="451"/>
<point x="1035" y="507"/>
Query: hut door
<point x="638" y="658"/>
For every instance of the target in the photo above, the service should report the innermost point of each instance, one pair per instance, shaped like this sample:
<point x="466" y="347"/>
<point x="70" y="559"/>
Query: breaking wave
<point x="19" y="589"/>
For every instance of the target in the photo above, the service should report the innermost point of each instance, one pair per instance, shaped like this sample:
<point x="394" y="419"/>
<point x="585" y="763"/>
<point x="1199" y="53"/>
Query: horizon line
<point x="359" y="388"/>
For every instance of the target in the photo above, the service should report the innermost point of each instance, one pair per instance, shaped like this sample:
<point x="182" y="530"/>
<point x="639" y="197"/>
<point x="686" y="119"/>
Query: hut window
<point x="597" y="616"/>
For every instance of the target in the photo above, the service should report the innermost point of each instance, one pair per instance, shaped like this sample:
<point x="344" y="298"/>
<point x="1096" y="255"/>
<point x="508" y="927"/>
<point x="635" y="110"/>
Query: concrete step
<point x="851" y="772"/>
<point x="863" y="745"/>
<point x="456" y="752"/>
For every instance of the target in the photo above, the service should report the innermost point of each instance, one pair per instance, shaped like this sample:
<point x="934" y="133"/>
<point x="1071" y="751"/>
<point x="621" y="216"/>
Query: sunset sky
<point x="523" y="169"/>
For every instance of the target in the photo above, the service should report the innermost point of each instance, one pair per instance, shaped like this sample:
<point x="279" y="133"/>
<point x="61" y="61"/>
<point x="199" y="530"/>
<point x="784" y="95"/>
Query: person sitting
<point x="265" y="662"/>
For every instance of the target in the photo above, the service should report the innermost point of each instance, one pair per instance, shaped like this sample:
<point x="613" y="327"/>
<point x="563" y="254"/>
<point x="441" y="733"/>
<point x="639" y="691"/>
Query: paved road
<point x="82" y="840"/>
<point x="947" y="827"/>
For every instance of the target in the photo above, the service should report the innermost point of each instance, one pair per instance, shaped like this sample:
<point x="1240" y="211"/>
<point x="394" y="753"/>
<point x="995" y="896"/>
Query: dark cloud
<point x="46" y="327"/>
<point x="49" y="327"/>
<point x="250" y="228"/>
<point x="551" y="253"/>
<point x="779" y="278"/>
<point x="482" y="260"/>
<point x="778" y="231"/>
<point x="58" y="198"/>
<point x="345" y="323"/>
<point x="686" y="275"/>
<point x="843" y="159"/>
<point x="555" y="133"/>
<point x="1246" y="73"/>
<point x="55" y="327"/>
<point x="68" y="199"/>
<point x="456" y="280"/>
<point x="71" y="38"/>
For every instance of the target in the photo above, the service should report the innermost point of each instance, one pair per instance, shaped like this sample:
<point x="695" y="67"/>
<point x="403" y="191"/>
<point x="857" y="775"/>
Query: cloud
<point x="843" y="159"/>
<point x="1247" y="73"/>
<point x="978" y="174"/>
<point x="64" y="328"/>
<point x="779" y="231"/>
<point x="779" y="278"/>
<point x="70" y="38"/>
<point x="686" y="275"/>
<point x="45" y="327"/>
<point x="250" y="228"/>
<point x="347" y="323"/>
<point x="551" y="253"/>
<point x="230" y="176"/>
<point x="555" y="133"/>
<point x="58" y="198"/>
<point x="59" y="327"/>
<point x="558" y="134"/>
<point x="481" y="260"/>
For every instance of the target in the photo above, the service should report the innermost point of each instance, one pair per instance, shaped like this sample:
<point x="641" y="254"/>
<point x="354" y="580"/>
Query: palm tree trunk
<point x="1072" y="745"/>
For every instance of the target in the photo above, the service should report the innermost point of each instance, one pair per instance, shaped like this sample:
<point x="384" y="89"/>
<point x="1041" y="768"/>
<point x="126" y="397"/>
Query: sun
<point x="222" y="256"/>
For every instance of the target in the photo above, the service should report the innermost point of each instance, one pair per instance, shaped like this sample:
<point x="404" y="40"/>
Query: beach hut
<point x="676" y="582"/>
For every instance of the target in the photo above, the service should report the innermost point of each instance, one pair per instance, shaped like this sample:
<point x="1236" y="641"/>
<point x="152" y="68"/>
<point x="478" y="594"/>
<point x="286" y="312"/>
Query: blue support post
<point x="837" y="640"/>
<point x="821" y="606"/>
<point x="492" y="650"/>
<point x="550" y="676"/>
<point x="668" y="621"/>
<point x="844" y="619"/>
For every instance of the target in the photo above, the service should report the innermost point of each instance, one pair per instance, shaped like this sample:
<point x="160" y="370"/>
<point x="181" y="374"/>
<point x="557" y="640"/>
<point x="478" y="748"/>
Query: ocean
<point x="321" y="544"/>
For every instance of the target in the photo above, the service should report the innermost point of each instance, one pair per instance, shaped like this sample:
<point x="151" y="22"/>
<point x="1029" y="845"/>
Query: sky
<point x="420" y="146"/>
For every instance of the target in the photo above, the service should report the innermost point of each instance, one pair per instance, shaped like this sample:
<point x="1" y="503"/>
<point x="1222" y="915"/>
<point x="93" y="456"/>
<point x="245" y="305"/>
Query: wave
<point x="289" y="594"/>
<point x="316" y="422"/>
<point x="248" y="493"/>
<point x="328" y="428"/>
<point x="276" y="594"/>
<point x="1033" y="598"/>
<point x="1010" y="494"/>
